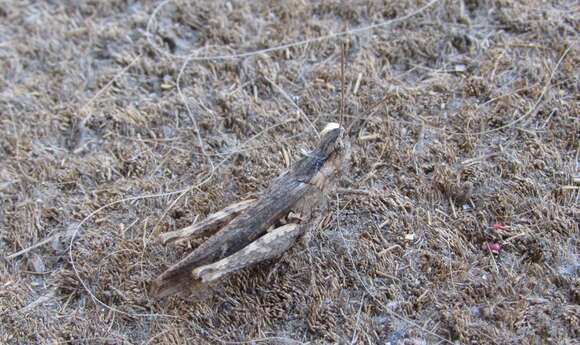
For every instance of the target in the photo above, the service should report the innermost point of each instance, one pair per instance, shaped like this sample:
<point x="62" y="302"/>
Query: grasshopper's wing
<point x="210" y="225"/>
<point x="245" y="228"/>
<point x="270" y="245"/>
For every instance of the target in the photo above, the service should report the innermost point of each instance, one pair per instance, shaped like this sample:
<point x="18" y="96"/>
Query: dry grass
<point x="111" y="132"/>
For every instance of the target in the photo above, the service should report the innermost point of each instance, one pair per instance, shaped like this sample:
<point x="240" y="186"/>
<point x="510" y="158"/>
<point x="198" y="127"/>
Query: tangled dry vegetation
<point x="457" y="223"/>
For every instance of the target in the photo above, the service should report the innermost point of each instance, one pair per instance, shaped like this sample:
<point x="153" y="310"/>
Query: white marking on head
<point x="329" y="127"/>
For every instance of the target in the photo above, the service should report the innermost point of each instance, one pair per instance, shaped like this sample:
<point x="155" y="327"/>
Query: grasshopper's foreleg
<point x="209" y="225"/>
<point x="311" y="211"/>
<point x="272" y="244"/>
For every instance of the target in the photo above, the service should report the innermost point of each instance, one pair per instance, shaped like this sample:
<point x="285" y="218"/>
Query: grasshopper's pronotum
<point x="252" y="231"/>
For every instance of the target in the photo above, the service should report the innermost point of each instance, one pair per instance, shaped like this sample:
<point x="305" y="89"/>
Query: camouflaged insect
<point x="252" y="231"/>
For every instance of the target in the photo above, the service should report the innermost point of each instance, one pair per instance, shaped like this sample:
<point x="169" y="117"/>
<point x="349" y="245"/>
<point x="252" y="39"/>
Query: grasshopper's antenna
<point x="342" y="58"/>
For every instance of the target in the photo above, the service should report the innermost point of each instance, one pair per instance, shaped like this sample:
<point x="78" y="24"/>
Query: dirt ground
<point x="456" y="223"/>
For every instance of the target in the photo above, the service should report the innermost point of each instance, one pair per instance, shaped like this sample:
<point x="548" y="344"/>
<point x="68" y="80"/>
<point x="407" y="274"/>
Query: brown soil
<point x="457" y="222"/>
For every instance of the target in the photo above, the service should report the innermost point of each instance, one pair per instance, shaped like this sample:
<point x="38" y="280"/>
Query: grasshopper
<point x="251" y="231"/>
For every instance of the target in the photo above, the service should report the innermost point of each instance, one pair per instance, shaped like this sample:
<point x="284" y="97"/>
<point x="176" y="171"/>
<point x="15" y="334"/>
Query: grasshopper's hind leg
<point x="209" y="225"/>
<point x="272" y="244"/>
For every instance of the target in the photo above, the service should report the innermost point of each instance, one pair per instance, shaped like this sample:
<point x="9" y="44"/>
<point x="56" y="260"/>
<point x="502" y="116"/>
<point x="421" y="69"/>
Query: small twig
<point x="354" y="191"/>
<point x="357" y="84"/>
<point x="362" y="301"/>
<point x="342" y="58"/>
<point x="256" y="340"/>
<point x="34" y="246"/>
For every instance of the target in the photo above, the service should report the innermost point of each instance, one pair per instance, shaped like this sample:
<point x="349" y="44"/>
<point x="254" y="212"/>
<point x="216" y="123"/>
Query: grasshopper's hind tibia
<point x="271" y="245"/>
<point x="209" y="226"/>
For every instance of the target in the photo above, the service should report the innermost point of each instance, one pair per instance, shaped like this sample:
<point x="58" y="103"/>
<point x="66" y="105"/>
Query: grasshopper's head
<point x="332" y="140"/>
<point x="334" y="146"/>
<point x="323" y="165"/>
